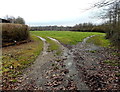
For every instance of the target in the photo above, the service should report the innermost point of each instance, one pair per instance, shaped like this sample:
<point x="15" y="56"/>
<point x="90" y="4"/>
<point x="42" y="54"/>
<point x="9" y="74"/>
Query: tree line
<point x="50" y="28"/>
<point x="12" y="19"/>
<point x="111" y="13"/>
<point x="82" y="27"/>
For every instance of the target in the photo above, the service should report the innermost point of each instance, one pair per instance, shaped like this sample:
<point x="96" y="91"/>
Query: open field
<point x="66" y="37"/>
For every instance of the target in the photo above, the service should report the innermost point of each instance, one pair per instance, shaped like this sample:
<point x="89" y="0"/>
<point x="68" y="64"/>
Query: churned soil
<point x="79" y="67"/>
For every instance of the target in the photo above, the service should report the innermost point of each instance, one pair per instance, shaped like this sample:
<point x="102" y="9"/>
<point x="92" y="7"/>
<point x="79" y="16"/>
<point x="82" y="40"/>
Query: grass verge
<point x="16" y="58"/>
<point x="53" y="46"/>
<point x="99" y="40"/>
<point x="112" y="62"/>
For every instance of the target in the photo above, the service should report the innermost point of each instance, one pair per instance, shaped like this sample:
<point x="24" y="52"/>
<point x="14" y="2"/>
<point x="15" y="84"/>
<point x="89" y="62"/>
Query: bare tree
<point x="20" y="20"/>
<point x="10" y="18"/>
<point x="113" y="16"/>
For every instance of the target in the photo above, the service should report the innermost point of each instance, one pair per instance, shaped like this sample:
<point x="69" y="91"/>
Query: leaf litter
<point x="56" y="74"/>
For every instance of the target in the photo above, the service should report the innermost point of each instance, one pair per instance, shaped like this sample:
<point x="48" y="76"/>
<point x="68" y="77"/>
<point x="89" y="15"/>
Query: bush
<point x="14" y="32"/>
<point x="116" y="39"/>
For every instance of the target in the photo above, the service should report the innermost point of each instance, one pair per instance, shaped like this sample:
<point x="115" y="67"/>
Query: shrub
<point x="116" y="39"/>
<point x="114" y="35"/>
<point x="14" y="32"/>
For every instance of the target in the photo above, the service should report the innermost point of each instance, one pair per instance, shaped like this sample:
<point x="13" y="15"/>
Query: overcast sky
<point x="49" y="12"/>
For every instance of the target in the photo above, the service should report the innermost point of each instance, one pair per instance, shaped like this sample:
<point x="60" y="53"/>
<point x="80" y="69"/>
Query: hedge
<point x="14" y="32"/>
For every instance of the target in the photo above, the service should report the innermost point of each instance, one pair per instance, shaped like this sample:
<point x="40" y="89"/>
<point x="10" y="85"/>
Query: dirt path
<point x="32" y="77"/>
<point x="77" y="68"/>
<point x="71" y="67"/>
<point x="89" y="60"/>
<point x="52" y="73"/>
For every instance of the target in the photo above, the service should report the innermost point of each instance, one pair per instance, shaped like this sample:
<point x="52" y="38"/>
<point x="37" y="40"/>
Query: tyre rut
<point x="50" y="72"/>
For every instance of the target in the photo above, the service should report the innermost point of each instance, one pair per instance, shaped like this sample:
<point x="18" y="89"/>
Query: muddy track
<point x="71" y="67"/>
<point x="50" y="72"/>
<point x="32" y="77"/>
<point x="77" y="68"/>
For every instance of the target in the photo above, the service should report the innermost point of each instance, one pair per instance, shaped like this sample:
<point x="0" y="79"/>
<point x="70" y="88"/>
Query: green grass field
<point x="66" y="37"/>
